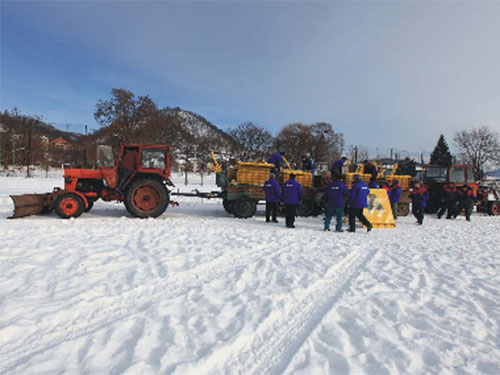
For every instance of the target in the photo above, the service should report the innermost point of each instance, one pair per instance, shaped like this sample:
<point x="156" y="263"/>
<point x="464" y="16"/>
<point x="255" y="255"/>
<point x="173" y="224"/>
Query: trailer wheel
<point x="69" y="205"/>
<point x="146" y="198"/>
<point x="403" y="209"/>
<point x="228" y="206"/>
<point x="494" y="208"/>
<point x="306" y="208"/>
<point x="244" y="208"/>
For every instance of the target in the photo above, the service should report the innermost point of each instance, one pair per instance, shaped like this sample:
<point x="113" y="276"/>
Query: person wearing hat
<point x="292" y="195"/>
<point x="272" y="192"/>
<point x="334" y="195"/>
<point x="395" y="197"/>
<point x="419" y="196"/>
<point x="358" y="200"/>
<point x="373" y="183"/>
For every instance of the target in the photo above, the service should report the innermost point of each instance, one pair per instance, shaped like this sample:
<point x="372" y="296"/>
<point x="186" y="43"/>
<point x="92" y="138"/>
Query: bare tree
<point x="256" y="142"/>
<point x="479" y="147"/>
<point x="319" y="140"/>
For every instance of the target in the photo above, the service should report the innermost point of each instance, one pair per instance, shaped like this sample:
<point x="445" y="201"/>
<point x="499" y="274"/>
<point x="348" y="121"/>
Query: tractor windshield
<point x="457" y="175"/>
<point x="435" y="174"/>
<point x="104" y="157"/>
<point x="154" y="158"/>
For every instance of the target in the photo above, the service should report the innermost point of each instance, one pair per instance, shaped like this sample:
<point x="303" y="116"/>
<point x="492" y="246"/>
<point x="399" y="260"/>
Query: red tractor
<point x="144" y="192"/>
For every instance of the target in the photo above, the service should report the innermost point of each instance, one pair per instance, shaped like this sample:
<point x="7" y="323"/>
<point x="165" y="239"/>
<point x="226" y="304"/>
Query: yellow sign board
<point x="379" y="211"/>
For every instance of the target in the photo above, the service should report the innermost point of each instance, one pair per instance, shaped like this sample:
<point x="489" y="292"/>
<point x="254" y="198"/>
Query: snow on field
<point x="197" y="291"/>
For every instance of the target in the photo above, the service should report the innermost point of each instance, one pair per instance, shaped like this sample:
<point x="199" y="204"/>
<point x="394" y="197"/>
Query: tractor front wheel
<point x="146" y="198"/>
<point x="69" y="205"/>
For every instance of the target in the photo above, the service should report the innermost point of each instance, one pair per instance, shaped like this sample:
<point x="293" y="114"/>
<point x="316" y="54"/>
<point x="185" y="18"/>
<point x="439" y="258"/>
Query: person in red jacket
<point x="126" y="166"/>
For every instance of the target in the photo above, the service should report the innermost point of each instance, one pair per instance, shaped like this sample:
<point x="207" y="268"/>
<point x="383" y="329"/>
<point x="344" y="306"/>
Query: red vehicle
<point x="435" y="177"/>
<point x="145" y="192"/>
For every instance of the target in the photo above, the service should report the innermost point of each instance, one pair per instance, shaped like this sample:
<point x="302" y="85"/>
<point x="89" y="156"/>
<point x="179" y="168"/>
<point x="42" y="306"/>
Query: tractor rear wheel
<point x="494" y="208"/>
<point x="146" y="198"/>
<point x="244" y="208"/>
<point x="69" y="205"/>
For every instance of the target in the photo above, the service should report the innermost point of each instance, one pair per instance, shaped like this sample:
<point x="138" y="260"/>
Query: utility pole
<point x="355" y="155"/>
<point x="13" y="151"/>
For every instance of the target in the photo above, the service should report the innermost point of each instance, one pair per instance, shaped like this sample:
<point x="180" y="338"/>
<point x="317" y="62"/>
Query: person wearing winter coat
<point x="292" y="195"/>
<point x="333" y="196"/>
<point x="370" y="168"/>
<point x="466" y="200"/>
<point x="272" y="192"/>
<point x="395" y="197"/>
<point x="386" y="185"/>
<point x="336" y="168"/>
<point x="448" y="201"/>
<point x="419" y="196"/>
<point x="373" y="183"/>
<point x="276" y="159"/>
<point x="358" y="200"/>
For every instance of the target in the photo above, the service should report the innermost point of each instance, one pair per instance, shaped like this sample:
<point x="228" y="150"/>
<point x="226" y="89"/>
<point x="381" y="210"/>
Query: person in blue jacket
<point x="292" y="195"/>
<point x="272" y="192"/>
<point x="395" y="197"/>
<point x="334" y="195"/>
<point x="358" y="200"/>
<point x="276" y="159"/>
<point x="373" y="183"/>
<point x="336" y="168"/>
<point x="419" y="196"/>
<point x="466" y="200"/>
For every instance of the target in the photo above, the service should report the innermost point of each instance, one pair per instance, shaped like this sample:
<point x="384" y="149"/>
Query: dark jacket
<point x="292" y="192"/>
<point x="448" y="194"/>
<point x="395" y="193"/>
<point x="419" y="197"/>
<point x="371" y="169"/>
<point x="359" y="195"/>
<point x="466" y="196"/>
<point x="336" y="168"/>
<point x="276" y="159"/>
<point x="272" y="190"/>
<point x="334" y="194"/>
<point x="374" y="185"/>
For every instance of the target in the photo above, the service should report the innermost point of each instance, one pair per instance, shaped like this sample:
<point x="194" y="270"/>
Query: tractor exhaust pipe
<point x="32" y="204"/>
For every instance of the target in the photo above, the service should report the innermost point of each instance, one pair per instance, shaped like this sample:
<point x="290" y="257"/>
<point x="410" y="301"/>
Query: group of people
<point x="455" y="199"/>
<point x="337" y="198"/>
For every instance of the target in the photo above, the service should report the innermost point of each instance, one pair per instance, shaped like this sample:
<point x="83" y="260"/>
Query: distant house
<point x="60" y="143"/>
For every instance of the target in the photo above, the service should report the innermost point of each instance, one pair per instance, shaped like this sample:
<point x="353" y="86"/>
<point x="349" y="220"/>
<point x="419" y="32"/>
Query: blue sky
<point x="385" y="74"/>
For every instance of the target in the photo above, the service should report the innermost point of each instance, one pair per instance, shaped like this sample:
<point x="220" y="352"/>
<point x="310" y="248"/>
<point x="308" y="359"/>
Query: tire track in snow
<point x="135" y="301"/>
<point x="277" y="340"/>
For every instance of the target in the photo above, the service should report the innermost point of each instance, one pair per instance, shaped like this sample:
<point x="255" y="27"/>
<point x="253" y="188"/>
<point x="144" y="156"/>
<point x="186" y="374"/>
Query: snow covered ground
<point x="197" y="291"/>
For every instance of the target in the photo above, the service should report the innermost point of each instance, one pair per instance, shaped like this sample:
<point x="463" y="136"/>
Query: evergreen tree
<point x="441" y="155"/>
<point x="407" y="166"/>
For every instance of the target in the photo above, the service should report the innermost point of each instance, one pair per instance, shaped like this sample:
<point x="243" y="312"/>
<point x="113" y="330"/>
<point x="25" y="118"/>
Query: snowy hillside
<point x="197" y="291"/>
<point x="196" y="127"/>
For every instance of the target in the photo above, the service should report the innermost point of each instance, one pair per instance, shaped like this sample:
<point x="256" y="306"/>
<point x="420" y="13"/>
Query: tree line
<point x="126" y="118"/>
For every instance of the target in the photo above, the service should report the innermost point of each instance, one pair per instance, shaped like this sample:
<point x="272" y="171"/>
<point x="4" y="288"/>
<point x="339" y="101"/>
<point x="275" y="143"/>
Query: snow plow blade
<point x="32" y="204"/>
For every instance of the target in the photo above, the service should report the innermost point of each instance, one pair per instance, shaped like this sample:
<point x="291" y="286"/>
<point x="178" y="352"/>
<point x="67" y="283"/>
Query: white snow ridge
<point x="197" y="291"/>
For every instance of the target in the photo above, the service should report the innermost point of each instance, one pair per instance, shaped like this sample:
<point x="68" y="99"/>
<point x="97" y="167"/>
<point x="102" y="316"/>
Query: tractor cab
<point x="435" y="177"/>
